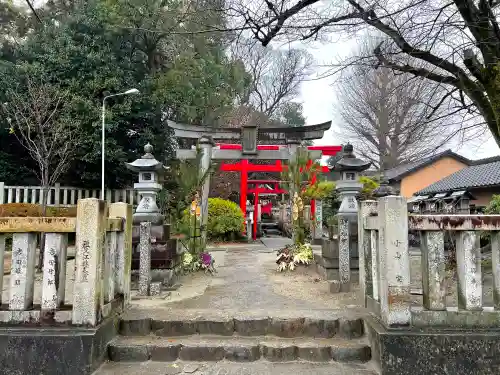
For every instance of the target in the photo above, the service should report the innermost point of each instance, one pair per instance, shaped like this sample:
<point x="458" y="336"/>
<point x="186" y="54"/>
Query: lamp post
<point x="128" y="92"/>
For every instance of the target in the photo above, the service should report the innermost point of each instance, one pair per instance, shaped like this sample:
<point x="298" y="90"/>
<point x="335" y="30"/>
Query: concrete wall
<point x="428" y="175"/>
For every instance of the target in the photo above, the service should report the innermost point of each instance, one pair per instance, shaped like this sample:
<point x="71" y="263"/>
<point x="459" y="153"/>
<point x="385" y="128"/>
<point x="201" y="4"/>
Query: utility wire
<point x="34" y="11"/>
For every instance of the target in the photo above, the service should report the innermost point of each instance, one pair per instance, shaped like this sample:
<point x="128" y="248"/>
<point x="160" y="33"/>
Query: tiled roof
<point x="477" y="175"/>
<point x="396" y="173"/>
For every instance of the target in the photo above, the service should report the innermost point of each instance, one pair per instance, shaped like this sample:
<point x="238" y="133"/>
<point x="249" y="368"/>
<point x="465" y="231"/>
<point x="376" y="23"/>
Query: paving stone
<point x="164" y="352"/>
<point x="239" y="353"/>
<point x="190" y="368"/>
<point x="221" y="327"/>
<point x="174" y="328"/>
<point x="276" y="352"/>
<point x="135" y="327"/>
<point x="128" y="352"/>
<point x="201" y="353"/>
<point x="172" y="369"/>
<point x="314" y="353"/>
<point x="251" y="326"/>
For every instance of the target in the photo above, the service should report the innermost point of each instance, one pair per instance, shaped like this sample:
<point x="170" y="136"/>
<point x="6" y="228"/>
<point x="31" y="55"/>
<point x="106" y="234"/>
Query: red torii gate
<point x="244" y="166"/>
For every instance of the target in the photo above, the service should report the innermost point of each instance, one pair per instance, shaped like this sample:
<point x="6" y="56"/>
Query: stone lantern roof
<point x="147" y="162"/>
<point x="349" y="162"/>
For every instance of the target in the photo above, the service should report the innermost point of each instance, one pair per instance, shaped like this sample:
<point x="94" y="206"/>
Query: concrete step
<point x="234" y="368"/>
<point x="272" y="232"/>
<point x="237" y="349"/>
<point x="318" y="327"/>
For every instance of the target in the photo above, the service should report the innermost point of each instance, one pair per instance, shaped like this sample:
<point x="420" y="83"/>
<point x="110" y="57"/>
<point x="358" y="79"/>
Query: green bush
<point x="225" y="219"/>
<point x="493" y="207"/>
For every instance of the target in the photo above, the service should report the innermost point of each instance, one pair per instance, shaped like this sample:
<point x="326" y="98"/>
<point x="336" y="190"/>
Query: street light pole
<point x="103" y="135"/>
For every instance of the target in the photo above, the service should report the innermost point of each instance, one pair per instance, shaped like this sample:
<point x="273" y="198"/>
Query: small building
<point x="467" y="190"/>
<point x="412" y="177"/>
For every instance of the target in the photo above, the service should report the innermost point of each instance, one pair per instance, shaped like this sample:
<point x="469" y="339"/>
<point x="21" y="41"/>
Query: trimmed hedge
<point x="225" y="220"/>
<point x="34" y="210"/>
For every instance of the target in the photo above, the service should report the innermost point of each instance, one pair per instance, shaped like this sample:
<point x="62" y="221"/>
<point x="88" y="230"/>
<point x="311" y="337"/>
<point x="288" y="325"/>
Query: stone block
<point x="164" y="352"/>
<point x="314" y="353"/>
<point x="242" y="353"/>
<point x="461" y="352"/>
<point x="276" y="352"/>
<point x="351" y="328"/>
<point x="251" y="326"/>
<point x="320" y="328"/>
<point x="221" y="327"/>
<point x="125" y="352"/>
<point x="287" y="327"/>
<point x="330" y="248"/>
<point x="55" y="351"/>
<point x="136" y="327"/>
<point x="202" y="353"/>
<point x="174" y="328"/>
<point x="348" y="352"/>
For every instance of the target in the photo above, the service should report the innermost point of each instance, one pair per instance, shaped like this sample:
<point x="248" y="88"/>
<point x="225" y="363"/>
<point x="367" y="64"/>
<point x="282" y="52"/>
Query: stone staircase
<point x="270" y="228"/>
<point x="334" y="342"/>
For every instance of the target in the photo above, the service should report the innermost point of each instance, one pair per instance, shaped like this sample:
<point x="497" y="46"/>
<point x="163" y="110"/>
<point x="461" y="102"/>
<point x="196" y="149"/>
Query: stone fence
<point x="383" y="227"/>
<point x="97" y="286"/>
<point x="63" y="195"/>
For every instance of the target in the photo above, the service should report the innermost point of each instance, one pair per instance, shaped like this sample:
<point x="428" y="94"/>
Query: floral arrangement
<point x="293" y="255"/>
<point x="204" y="261"/>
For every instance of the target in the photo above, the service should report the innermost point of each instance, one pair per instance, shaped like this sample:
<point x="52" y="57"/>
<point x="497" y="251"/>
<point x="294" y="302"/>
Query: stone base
<point x="424" y="352"/>
<point x="55" y="351"/>
<point x="166" y="277"/>
<point x="333" y="273"/>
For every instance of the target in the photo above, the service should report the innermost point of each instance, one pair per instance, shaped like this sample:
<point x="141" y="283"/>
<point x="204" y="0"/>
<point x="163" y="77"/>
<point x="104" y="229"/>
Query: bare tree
<point x="455" y="43"/>
<point x="276" y="74"/>
<point x="391" y="117"/>
<point x="34" y="112"/>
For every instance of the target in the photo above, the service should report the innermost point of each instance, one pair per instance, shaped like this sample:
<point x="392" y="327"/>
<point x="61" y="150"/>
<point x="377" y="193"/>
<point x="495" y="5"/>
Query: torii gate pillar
<point x="206" y="144"/>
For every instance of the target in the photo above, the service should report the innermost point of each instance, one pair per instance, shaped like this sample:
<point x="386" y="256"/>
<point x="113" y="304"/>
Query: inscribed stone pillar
<point x="2" y="255"/>
<point x="318" y="222"/>
<point x="344" y="256"/>
<point x="394" y="261"/>
<point x="206" y="145"/>
<point x="54" y="270"/>
<point x="367" y="208"/>
<point x="123" y="261"/>
<point x="145" y="259"/>
<point x="90" y="234"/>
<point x="22" y="277"/>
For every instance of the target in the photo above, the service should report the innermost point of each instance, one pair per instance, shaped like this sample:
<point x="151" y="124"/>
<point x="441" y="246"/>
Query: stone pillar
<point x="365" y="251"/>
<point x="90" y="235"/>
<point x="22" y="276"/>
<point x="206" y="145"/>
<point x="394" y="261"/>
<point x="318" y="222"/>
<point x="145" y="259"/>
<point x="54" y="271"/>
<point x="292" y="146"/>
<point x="123" y="262"/>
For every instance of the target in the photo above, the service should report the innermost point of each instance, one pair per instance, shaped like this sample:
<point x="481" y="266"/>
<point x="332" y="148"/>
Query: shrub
<point x="225" y="219"/>
<point x="34" y="210"/>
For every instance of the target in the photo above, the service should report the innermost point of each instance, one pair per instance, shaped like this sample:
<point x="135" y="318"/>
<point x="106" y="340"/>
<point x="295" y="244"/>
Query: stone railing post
<point x="90" y="235"/>
<point x="394" y="261"/>
<point x="2" y="192"/>
<point x="366" y="209"/>
<point x="144" y="258"/>
<point x="123" y="263"/>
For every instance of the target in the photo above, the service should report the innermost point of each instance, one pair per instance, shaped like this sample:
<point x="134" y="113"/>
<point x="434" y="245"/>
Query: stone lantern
<point x="148" y="187"/>
<point x="163" y="250"/>
<point x="349" y="186"/>
<point x="340" y="255"/>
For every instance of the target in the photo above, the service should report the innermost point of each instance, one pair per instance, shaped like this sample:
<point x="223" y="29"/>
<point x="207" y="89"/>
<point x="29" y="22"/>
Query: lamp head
<point x="132" y="91"/>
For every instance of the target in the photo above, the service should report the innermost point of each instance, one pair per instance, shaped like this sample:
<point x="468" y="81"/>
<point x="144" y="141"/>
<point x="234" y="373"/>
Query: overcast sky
<point x="318" y="98"/>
